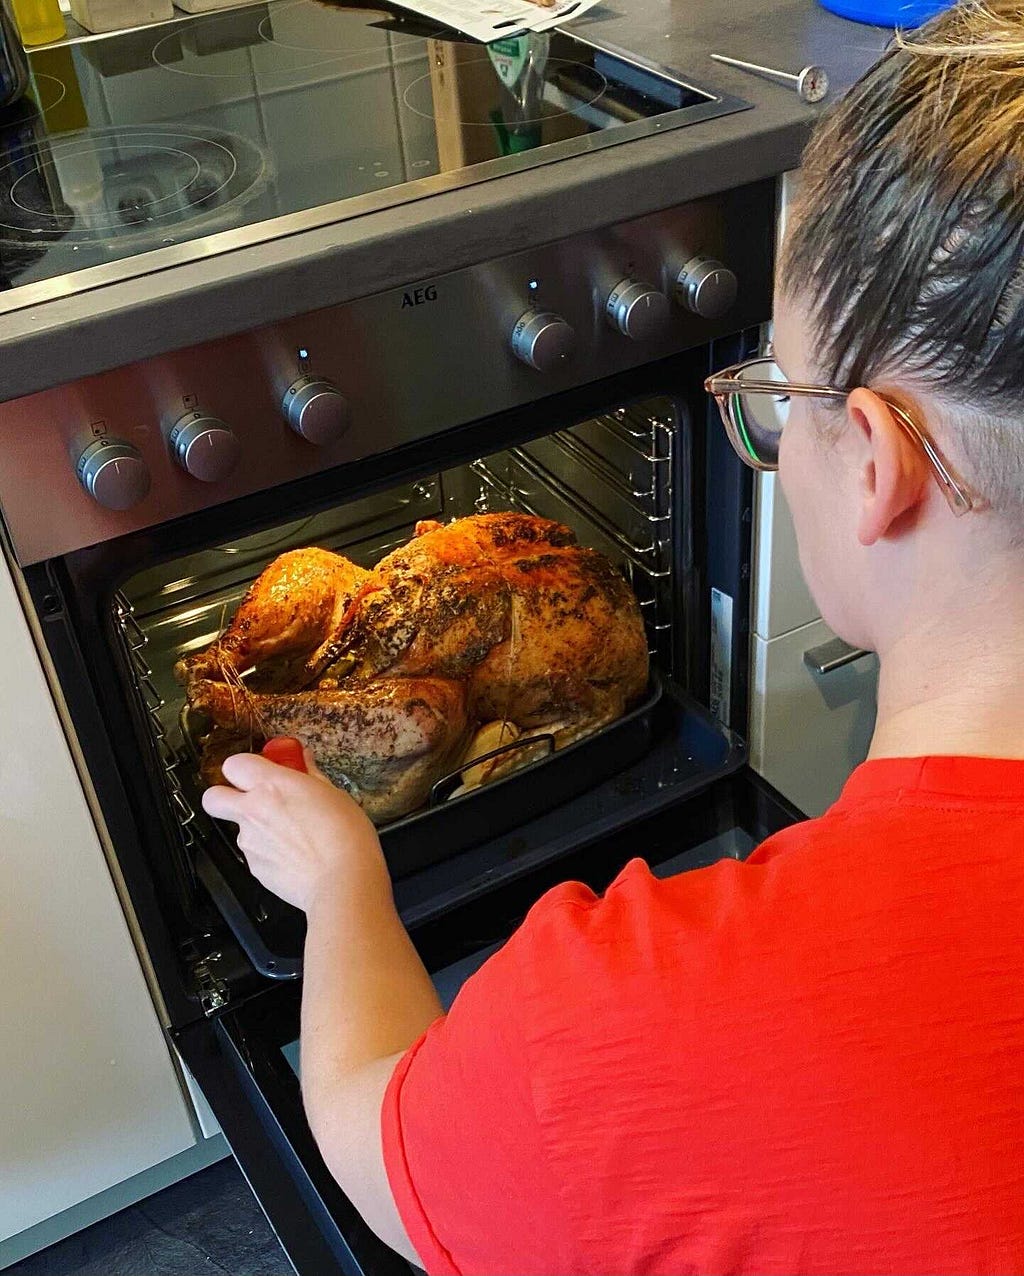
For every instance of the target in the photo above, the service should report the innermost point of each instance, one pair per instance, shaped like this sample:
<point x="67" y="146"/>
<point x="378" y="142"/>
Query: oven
<point x="565" y="382"/>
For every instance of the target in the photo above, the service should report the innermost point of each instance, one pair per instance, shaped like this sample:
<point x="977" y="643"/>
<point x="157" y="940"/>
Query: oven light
<point x="303" y="354"/>
<point x="533" y="285"/>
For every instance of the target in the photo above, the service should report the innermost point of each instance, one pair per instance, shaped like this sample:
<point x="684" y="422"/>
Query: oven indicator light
<point x="303" y="353"/>
<point x="532" y="285"/>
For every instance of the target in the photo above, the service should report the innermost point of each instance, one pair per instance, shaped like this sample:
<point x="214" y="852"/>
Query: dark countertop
<point x="71" y="337"/>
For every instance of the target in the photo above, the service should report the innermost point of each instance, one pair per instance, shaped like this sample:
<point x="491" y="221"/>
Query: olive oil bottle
<point x="39" y="21"/>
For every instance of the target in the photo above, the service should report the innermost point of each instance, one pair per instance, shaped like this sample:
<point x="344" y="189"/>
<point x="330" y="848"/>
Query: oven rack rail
<point x="133" y="643"/>
<point x="638" y="458"/>
<point x="563" y="478"/>
<point x="654" y="607"/>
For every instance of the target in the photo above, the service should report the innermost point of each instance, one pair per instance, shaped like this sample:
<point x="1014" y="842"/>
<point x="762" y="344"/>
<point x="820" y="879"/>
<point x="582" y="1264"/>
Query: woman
<point x="810" y="1061"/>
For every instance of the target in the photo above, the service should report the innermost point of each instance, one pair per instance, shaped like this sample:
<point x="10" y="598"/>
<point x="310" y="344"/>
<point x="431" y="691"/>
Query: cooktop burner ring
<point x="159" y="179"/>
<point x="24" y="179"/>
<point x="425" y="109"/>
<point x="347" y="51"/>
<point x="38" y="96"/>
<point x="297" y="57"/>
<point x="243" y="73"/>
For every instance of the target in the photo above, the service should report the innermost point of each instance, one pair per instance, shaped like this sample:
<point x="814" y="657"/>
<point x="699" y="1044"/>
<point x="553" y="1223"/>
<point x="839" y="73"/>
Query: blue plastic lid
<point x="887" y="13"/>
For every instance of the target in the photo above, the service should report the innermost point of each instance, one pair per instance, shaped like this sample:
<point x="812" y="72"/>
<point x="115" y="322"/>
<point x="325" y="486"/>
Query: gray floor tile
<point x="209" y="1223"/>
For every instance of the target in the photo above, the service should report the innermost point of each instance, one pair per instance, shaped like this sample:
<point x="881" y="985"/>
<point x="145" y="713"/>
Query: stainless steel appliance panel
<point x="392" y="369"/>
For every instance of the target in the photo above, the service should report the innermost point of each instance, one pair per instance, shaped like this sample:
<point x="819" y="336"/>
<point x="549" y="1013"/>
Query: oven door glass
<point x="246" y="1059"/>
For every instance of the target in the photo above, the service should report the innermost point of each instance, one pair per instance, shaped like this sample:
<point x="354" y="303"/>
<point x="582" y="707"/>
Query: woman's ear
<point x="893" y="469"/>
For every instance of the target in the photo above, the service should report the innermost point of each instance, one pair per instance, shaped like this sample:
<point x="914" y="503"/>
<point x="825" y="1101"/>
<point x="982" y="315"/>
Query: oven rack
<point x="133" y="645"/>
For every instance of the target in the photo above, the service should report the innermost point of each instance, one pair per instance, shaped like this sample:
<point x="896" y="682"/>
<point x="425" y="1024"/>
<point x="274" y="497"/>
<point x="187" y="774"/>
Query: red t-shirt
<point x="812" y="1061"/>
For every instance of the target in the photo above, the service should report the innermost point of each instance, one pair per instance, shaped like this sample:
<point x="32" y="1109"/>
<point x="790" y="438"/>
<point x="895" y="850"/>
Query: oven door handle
<point x="832" y="655"/>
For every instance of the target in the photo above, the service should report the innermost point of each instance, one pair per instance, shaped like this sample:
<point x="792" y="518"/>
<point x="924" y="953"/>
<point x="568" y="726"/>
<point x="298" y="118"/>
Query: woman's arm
<point x="366" y="996"/>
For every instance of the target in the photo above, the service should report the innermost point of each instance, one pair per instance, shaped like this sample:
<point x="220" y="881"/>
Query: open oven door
<point x="668" y="782"/>
<point x="245" y="1057"/>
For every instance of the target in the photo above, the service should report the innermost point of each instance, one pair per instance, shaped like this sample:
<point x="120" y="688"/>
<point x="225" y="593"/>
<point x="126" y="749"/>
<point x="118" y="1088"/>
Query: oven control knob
<point x="637" y="310"/>
<point x="543" y="340"/>
<point x="204" y="447"/>
<point x="316" y="410"/>
<point x="706" y="287"/>
<point x="113" y="473"/>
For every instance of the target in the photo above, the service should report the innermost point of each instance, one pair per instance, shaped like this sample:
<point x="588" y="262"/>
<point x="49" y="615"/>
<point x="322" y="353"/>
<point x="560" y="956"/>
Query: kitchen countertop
<point x="70" y="337"/>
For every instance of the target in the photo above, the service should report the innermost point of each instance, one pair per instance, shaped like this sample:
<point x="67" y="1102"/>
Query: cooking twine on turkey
<point x="474" y="634"/>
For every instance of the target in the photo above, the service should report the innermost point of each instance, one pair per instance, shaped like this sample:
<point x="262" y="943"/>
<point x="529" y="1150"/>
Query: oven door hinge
<point x="212" y="991"/>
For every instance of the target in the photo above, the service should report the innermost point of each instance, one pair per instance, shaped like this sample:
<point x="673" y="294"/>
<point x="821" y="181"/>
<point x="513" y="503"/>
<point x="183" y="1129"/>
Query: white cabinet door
<point x="88" y="1090"/>
<point x="808" y="730"/>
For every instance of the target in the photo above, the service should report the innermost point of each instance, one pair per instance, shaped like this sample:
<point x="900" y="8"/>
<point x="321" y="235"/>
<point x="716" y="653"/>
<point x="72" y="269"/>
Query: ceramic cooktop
<point x="296" y="110"/>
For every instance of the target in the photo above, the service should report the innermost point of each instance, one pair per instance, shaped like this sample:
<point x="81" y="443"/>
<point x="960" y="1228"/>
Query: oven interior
<point x="623" y="481"/>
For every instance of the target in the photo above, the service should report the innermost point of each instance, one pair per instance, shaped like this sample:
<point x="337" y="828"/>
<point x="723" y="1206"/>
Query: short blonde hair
<point x="907" y="243"/>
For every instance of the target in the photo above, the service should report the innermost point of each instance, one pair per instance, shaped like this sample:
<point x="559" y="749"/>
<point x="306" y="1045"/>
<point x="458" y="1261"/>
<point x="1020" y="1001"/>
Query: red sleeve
<point x="462" y="1144"/>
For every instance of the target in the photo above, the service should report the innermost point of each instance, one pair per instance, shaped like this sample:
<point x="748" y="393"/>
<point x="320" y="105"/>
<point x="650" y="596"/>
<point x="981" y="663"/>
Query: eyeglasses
<point x="753" y="398"/>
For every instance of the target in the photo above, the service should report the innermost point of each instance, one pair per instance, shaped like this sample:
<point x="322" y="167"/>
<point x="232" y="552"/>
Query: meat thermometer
<point x="811" y="83"/>
<point x="286" y="751"/>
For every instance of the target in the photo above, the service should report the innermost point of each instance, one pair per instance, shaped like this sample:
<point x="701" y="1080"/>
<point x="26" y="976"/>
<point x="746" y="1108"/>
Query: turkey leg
<point x="387" y="742"/>
<point x="288" y="611"/>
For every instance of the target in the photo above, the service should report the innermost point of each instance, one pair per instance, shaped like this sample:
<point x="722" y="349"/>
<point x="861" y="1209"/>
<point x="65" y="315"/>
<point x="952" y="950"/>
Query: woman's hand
<point x="301" y="837"/>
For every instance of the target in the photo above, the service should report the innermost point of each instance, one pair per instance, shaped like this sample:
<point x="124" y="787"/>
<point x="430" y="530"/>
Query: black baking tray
<point x="425" y="837"/>
<point x="690" y="748"/>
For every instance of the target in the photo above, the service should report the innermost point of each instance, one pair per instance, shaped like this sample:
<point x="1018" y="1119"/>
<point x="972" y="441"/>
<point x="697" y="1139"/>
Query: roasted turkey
<point x="489" y="628"/>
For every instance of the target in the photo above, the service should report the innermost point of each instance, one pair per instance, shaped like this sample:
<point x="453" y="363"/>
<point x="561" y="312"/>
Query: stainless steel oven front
<point x="565" y="382"/>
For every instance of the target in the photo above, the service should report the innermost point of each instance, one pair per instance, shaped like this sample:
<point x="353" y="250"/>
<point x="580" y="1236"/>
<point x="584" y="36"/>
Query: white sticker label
<point x="490" y="20"/>
<point x="721" y="655"/>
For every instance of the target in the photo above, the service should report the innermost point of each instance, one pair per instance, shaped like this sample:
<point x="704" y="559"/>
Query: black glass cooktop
<point x="299" y="110"/>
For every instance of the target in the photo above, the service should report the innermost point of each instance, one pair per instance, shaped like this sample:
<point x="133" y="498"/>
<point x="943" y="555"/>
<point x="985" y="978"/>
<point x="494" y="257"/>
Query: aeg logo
<point x="419" y="296"/>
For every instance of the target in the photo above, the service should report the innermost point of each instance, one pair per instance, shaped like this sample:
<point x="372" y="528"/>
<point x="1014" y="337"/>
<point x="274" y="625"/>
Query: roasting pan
<point x="270" y="931"/>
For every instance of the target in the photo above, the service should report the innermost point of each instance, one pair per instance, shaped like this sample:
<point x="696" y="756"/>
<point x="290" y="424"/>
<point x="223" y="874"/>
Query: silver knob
<point x="543" y="340"/>
<point x="113" y="473"/>
<point x="316" y="410"/>
<point x="204" y="447"/>
<point x="706" y="287"/>
<point x="637" y="310"/>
